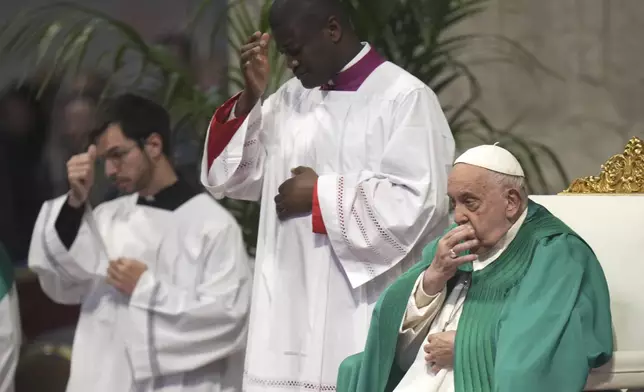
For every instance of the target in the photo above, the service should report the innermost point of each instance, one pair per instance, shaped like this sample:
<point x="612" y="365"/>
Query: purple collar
<point x="352" y="78"/>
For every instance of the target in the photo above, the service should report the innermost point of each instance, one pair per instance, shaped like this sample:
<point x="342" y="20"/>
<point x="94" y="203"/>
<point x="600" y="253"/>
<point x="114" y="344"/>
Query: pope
<point x="509" y="299"/>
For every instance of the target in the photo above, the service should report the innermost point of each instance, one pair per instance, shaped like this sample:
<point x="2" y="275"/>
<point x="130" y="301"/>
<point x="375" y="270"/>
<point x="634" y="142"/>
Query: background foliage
<point x="422" y="36"/>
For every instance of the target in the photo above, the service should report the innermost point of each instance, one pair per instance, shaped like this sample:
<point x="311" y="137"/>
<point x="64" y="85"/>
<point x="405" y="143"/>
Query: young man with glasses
<point x="161" y="273"/>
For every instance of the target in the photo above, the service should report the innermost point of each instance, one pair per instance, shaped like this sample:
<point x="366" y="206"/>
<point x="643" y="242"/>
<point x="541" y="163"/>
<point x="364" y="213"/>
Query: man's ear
<point x="154" y="146"/>
<point x="334" y="29"/>
<point x="514" y="203"/>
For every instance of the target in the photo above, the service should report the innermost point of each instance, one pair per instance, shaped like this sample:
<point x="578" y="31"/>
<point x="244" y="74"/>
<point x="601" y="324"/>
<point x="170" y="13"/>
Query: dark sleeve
<point x="68" y="223"/>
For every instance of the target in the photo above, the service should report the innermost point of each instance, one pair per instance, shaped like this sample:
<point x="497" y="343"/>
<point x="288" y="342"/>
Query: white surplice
<point x="425" y="312"/>
<point x="383" y="154"/>
<point x="10" y="338"/>
<point x="185" y="326"/>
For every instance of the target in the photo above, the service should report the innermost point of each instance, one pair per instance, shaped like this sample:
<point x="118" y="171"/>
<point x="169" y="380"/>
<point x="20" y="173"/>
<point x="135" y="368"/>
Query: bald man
<point x="510" y="299"/>
<point x="350" y="159"/>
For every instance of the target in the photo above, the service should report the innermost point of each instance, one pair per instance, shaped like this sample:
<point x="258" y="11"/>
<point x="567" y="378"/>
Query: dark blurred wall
<point x="152" y="18"/>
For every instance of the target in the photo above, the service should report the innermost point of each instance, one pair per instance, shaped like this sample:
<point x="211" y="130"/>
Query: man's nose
<point x="110" y="168"/>
<point x="459" y="217"/>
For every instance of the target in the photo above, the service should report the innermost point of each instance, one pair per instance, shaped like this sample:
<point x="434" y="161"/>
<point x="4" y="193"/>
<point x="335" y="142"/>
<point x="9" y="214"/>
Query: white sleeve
<point x="176" y="329"/>
<point x="232" y="113"/>
<point x="65" y="275"/>
<point x="421" y="308"/>
<point x="375" y="218"/>
<point x="421" y="311"/>
<point x="10" y="339"/>
<point x="238" y="172"/>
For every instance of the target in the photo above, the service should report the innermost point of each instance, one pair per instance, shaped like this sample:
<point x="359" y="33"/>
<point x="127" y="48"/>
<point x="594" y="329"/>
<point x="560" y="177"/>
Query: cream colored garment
<point x="437" y="314"/>
<point x="314" y="294"/>
<point x="421" y="311"/>
<point x="10" y="339"/>
<point x="184" y="327"/>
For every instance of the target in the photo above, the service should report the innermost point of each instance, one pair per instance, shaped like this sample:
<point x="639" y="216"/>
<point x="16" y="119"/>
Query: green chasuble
<point x="536" y="319"/>
<point x="6" y="272"/>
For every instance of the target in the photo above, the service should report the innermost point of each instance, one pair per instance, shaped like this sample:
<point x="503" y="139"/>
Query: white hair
<point x="507" y="181"/>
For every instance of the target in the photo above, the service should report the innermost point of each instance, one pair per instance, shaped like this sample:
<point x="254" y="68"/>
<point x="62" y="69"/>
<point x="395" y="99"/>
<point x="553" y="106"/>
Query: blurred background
<point x="558" y="82"/>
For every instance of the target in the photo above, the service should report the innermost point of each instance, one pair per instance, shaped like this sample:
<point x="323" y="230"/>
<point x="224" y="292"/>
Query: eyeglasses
<point x="116" y="156"/>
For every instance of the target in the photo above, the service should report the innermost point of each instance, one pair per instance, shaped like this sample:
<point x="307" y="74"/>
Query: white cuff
<point x="139" y="332"/>
<point x="142" y="295"/>
<point x="421" y="298"/>
<point x="232" y="116"/>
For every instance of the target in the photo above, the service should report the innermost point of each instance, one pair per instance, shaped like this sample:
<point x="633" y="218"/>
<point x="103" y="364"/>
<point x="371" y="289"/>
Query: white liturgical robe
<point x="427" y="315"/>
<point x="383" y="150"/>
<point x="184" y="328"/>
<point x="10" y="338"/>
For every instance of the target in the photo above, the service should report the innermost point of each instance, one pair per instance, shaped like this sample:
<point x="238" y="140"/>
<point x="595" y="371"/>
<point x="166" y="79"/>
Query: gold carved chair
<point x="608" y="212"/>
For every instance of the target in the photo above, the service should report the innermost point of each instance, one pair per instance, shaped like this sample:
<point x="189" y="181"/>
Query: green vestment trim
<point x="504" y="330"/>
<point x="6" y="272"/>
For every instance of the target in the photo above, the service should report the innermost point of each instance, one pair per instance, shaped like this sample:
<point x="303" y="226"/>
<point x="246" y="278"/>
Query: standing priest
<point x="510" y="299"/>
<point x="350" y="160"/>
<point x="161" y="273"/>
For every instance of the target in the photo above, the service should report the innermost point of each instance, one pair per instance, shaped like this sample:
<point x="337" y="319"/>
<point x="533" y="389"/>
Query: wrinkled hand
<point x="124" y="274"/>
<point x="447" y="259"/>
<point x="80" y="174"/>
<point x="295" y="195"/>
<point x="256" y="69"/>
<point x="439" y="350"/>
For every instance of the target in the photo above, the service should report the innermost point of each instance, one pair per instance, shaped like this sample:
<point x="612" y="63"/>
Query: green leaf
<point x="174" y="81"/>
<point x="82" y="45"/>
<point x="119" y="55"/>
<point x="45" y="43"/>
<point x="197" y="14"/>
<point x="421" y="36"/>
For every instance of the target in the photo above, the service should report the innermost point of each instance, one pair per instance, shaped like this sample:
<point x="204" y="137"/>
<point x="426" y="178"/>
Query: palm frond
<point x="422" y="36"/>
<point x="532" y="155"/>
<point x="242" y="26"/>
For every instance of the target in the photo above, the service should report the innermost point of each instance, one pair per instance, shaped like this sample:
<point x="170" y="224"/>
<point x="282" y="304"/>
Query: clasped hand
<point x="439" y="350"/>
<point x="295" y="195"/>
<point x="124" y="274"/>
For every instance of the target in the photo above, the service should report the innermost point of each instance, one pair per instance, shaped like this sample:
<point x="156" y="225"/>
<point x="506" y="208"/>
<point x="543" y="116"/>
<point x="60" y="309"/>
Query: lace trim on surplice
<point x="361" y="226"/>
<point x="287" y="384"/>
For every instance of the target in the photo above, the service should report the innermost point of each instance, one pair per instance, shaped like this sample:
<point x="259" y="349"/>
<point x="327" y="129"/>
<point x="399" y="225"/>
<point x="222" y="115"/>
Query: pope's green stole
<point x="6" y="272"/>
<point x="475" y="344"/>
<point x="376" y="371"/>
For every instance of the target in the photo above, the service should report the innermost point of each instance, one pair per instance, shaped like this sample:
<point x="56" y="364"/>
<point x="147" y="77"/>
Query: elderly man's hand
<point x="447" y="259"/>
<point x="295" y="195"/>
<point x="124" y="274"/>
<point x="439" y="350"/>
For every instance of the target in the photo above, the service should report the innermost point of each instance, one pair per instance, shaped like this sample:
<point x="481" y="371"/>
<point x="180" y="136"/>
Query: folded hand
<point x="124" y="274"/>
<point x="295" y="195"/>
<point x="439" y="350"/>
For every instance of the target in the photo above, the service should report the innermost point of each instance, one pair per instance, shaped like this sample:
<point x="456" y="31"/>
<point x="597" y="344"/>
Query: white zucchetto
<point x="492" y="157"/>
